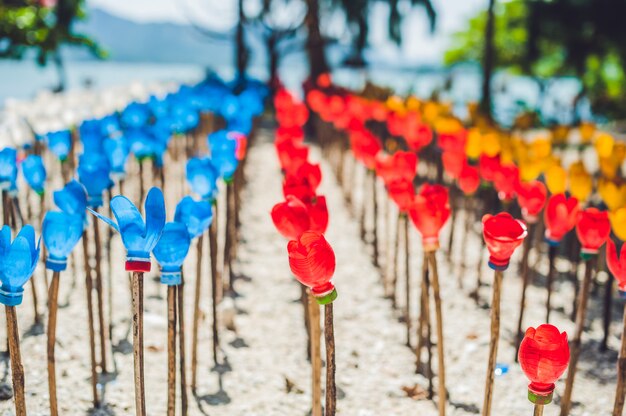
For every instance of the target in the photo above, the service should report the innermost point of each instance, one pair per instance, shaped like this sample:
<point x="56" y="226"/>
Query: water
<point x="23" y="79"/>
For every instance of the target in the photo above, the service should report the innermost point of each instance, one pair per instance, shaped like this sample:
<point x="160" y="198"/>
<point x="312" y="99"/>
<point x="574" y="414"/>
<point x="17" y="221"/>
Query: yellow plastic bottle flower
<point x="473" y="146"/>
<point x="608" y="167"/>
<point x="613" y="196"/>
<point x="556" y="178"/>
<point x="559" y="134"/>
<point x="580" y="182"/>
<point x="618" y="222"/>
<point x="413" y="103"/>
<point x="604" y="145"/>
<point x="587" y="130"/>
<point x="491" y="143"/>
<point x="541" y="147"/>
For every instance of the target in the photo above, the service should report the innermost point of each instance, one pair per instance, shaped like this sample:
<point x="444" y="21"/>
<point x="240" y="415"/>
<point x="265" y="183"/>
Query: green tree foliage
<point x="550" y="38"/>
<point x="42" y="26"/>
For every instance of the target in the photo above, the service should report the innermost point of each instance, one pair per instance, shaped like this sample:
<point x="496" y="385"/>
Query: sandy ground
<point x="266" y="353"/>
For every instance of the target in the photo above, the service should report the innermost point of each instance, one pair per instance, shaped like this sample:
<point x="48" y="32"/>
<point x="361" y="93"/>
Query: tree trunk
<point x="315" y="43"/>
<point x="241" y="50"/>
<point x="489" y="59"/>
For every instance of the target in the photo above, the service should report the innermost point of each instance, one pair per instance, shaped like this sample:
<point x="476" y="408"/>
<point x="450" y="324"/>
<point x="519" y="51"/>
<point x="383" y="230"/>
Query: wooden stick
<point x="620" y="391"/>
<point x="608" y="307"/>
<point x="141" y="186"/>
<point x="196" y="315"/>
<point x="216" y="281"/>
<point x="394" y="267"/>
<point x="363" y="213"/>
<point x="440" y="349"/>
<point x="17" y="370"/>
<point x="550" y="279"/>
<point x="52" y="325"/>
<point x="407" y="272"/>
<point x="424" y="338"/>
<point x="329" y="336"/>
<point x="566" y="399"/>
<point x="171" y="350"/>
<point x="92" y="336"/>
<point x="228" y="237"/>
<point x="452" y="225"/>
<point x="100" y="296"/>
<point x="493" y="343"/>
<point x="181" y="347"/>
<point x="137" y="297"/>
<point x="375" y="216"/>
<point x="525" y="279"/>
<point x="110" y="279"/>
<point x="538" y="410"/>
<point x="316" y="358"/>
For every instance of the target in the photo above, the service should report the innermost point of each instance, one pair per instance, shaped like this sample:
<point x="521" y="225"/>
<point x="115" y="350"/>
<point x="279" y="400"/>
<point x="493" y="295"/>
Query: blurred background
<point x="560" y="59"/>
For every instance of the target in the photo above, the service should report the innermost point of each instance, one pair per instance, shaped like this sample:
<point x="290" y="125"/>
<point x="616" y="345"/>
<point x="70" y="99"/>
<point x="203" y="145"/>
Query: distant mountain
<point x="131" y="41"/>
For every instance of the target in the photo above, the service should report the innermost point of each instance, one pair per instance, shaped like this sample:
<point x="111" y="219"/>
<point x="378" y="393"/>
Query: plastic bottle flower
<point x="60" y="143"/>
<point x="291" y="217"/>
<point x="299" y="186"/>
<point x="365" y="146"/>
<point x="618" y="223"/>
<point x="224" y="153"/>
<point x="93" y="174"/>
<point x="139" y="236"/>
<point x="171" y="250"/>
<point x="318" y="214"/>
<point x="291" y="155"/>
<point x="544" y="357"/>
<point x="61" y="232"/>
<point x="453" y="162"/>
<point x="505" y="181"/>
<point x="72" y="199"/>
<point x="400" y="165"/>
<point x="488" y="167"/>
<point x="580" y="182"/>
<point x="8" y="168"/>
<point x="117" y="152"/>
<point x="429" y="212"/>
<point x="502" y="234"/>
<point x="312" y="261"/>
<point x="560" y="216"/>
<point x="35" y="173"/>
<point x="613" y="196"/>
<point x="617" y="265"/>
<point x="593" y="229"/>
<point x="18" y="260"/>
<point x="202" y="177"/>
<point x="196" y="215"/>
<point x="531" y="197"/>
<point x="556" y="179"/>
<point x="402" y="193"/>
<point x="469" y="179"/>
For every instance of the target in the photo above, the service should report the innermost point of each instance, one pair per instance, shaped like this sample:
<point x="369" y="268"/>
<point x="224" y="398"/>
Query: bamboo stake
<point x="407" y="306"/>
<point x="196" y="314"/>
<point x="329" y="335"/>
<point x="566" y="400"/>
<point x="316" y="358"/>
<point x="525" y="280"/>
<point x="100" y="296"/>
<point x="620" y="391"/>
<point x="538" y="410"/>
<point x="17" y="370"/>
<point x="171" y="350"/>
<point x="137" y="299"/>
<point x="181" y="347"/>
<point x="52" y="324"/>
<point x="440" y="348"/>
<point x="92" y="336"/>
<point x="493" y="343"/>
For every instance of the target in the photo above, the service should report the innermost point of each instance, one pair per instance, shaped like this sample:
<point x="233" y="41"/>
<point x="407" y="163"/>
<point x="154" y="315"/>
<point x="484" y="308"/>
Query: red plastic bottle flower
<point x="365" y="147"/>
<point x="531" y="197"/>
<point x="617" y="265"/>
<point x="502" y="234"/>
<point x="400" y="165"/>
<point x="312" y="261"/>
<point x="560" y="216"/>
<point x="298" y="186"/>
<point x="505" y="181"/>
<point x="544" y="357"/>
<point x="469" y="179"/>
<point x="429" y="212"/>
<point x="402" y="193"/>
<point x="453" y="162"/>
<point x="593" y="229"/>
<point x="291" y="217"/>
<point x="291" y="155"/>
<point x="488" y="167"/>
<point x="318" y="214"/>
<point x="419" y="137"/>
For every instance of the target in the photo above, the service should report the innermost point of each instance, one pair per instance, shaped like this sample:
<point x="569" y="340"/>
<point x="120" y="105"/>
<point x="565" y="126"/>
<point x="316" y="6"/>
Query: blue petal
<point x="5" y="242"/>
<point x="61" y="232"/>
<point x="72" y="199"/>
<point x="130" y="223"/>
<point x="173" y="245"/>
<point x="155" y="217"/>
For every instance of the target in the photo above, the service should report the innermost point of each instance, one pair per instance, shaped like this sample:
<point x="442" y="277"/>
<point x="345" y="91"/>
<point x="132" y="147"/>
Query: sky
<point x="419" y="44"/>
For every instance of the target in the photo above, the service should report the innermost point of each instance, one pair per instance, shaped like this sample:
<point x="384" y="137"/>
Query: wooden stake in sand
<point x="312" y="261"/>
<point x="593" y="231"/>
<point x="90" y="322"/>
<point x="316" y="359"/>
<point x="17" y="266"/>
<point x="171" y="351"/>
<point x="525" y="281"/>
<point x="140" y="238"/>
<point x="100" y="296"/>
<point x="502" y="235"/>
<point x="61" y="232"/>
<point x="196" y="314"/>
<point x="617" y="266"/>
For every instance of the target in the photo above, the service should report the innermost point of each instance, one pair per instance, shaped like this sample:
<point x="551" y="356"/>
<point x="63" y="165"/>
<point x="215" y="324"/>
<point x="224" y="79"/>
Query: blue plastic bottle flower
<point x="8" y="168"/>
<point x="17" y="263"/>
<point x="135" y="115"/>
<point x="171" y="251"/>
<point x="72" y="199"/>
<point x="60" y="143"/>
<point x="202" y="177"/>
<point x="223" y="153"/>
<point x="139" y="237"/>
<point x="93" y="174"/>
<point x="196" y="215"/>
<point x="117" y="151"/>
<point x="35" y="173"/>
<point x="90" y="132"/>
<point x="61" y="232"/>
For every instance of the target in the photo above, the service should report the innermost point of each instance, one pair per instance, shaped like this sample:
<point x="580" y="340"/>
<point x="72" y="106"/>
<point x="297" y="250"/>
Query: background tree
<point x="43" y="27"/>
